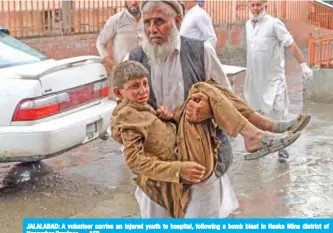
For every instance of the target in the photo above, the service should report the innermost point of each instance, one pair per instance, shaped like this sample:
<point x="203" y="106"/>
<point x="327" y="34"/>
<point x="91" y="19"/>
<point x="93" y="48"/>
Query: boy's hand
<point x="192" y="172"/>
<point x="164" y="113"/>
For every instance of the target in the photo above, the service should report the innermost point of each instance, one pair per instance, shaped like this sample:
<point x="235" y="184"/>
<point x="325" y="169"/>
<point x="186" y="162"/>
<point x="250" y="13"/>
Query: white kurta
<point x="265" y="86"/>
<point x="125" y="33"/>
<point x="215" y="197"/>
<point x="197" y="24"/>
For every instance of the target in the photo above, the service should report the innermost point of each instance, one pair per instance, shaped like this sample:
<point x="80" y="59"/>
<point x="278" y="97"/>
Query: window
<point x="14" y="52"/>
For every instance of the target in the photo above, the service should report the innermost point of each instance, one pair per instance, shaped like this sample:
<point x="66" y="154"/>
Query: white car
<point x="49" y="106"/>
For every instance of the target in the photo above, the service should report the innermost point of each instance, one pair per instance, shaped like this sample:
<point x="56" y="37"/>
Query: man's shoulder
<point x="191" y="40"/>
<point x="137" y="50"/>
<point x="273" y="19"/>
<point x="192" y="47"/>
<point x="137" y="54"/>
<point x="120" y="14"/>
<point x="267" y="18"/>
<point x="116" y="17"/>
<point x="202" y="12"/>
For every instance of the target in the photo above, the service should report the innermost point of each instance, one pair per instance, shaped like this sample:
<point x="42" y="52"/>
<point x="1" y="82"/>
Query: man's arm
<point x="297" y="53"/>
<point x="149" y="166"/>
<point x="205" y="25"/>
<point x="105" y="37"/>
<point x="287" y="40"/>
<point x="213" y="67"/>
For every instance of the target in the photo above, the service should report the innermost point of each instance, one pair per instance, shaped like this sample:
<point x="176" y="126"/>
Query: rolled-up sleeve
<point x="107" y="33"/>
<point x="141" y="163"/>
<point x="214" y="68"/>
<point x="282" y="33"/>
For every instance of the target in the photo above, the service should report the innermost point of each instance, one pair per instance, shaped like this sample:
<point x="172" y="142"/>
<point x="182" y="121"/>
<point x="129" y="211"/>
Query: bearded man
<point x="265" y="87"/>
<point x="175" y="63"/>
<point x="121" y="33"/>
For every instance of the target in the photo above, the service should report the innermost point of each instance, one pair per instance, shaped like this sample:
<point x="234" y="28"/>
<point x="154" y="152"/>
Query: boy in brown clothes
<point x="168" y="152"/>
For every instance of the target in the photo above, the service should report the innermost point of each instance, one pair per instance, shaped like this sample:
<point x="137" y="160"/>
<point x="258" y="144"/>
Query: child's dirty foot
<point x="271" y="142"/>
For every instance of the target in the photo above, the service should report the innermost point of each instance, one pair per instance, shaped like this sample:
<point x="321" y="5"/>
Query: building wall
<point x="231" y="42"/>
<point x="65" y="46"/>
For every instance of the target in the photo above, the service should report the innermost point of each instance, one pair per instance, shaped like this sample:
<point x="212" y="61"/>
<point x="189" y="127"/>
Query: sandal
<point x="301" y="124"/>
<point x="271" y="143"/>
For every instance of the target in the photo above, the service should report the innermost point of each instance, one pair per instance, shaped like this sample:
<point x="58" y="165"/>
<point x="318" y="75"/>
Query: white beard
<point x="158" y="53"/>
<point x="258" y="17"/>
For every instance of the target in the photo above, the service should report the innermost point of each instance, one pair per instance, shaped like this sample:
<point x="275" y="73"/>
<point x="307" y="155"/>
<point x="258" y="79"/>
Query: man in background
<point x="265" y="87"/>
<point x="197" y="24"/>
<point x="121" y="33"/>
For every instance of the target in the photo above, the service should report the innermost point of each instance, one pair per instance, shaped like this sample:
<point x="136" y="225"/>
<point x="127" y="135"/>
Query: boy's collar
<point x="137" y="106"/>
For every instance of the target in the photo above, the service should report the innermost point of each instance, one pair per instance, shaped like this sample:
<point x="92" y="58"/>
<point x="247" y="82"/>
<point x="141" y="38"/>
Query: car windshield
<point x="14" y="52"/>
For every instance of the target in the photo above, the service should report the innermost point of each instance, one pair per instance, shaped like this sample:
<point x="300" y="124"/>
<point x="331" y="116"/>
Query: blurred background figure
<point x="121" y="34"/>
<point x="197" y="24"/>
<point x="201" y="3"/>
<point x="265" y="87"/>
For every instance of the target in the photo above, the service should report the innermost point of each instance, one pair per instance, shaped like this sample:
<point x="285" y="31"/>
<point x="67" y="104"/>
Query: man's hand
<point x="307" y="72"/>
<point x="108" y="63"/>
<point x="164" y="113"/>
<point x="198" y="108"/>
<point x="192" y="172"/>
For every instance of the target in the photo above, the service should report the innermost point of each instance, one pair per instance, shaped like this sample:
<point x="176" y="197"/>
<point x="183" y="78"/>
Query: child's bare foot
<point x="265" y="139"/>
<point x="252" y="143"/>
<point x="269" y="143"/>
<point x="256" y="139"/>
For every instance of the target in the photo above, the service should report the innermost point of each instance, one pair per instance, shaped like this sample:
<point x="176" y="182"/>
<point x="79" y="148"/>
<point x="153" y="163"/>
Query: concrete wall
<point x="320" y="89"/>
<point x="231" y="46"/>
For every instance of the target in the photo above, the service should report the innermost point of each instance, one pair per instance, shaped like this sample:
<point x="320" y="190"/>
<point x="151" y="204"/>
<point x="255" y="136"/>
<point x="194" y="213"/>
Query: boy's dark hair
<point x="127" y="70"/>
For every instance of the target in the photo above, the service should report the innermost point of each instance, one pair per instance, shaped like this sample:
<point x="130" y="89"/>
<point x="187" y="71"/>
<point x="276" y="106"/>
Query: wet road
<point x="92" y="181"/>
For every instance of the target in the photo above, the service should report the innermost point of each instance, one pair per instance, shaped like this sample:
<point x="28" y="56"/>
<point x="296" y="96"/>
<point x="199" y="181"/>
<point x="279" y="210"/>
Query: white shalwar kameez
<point x="125" y="33"/>
<point x="215" y="197"/>
<point x="197" y="24"/>
<point x="265" y="86"/>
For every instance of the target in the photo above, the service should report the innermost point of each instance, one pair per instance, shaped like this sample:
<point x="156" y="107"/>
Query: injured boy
<point x="168" y="153"/>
